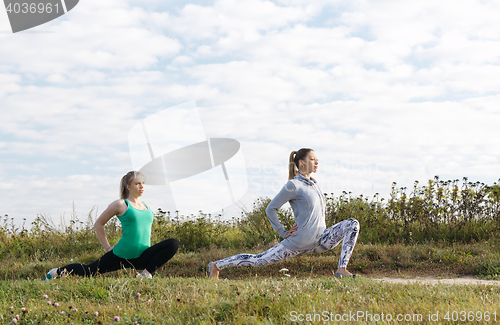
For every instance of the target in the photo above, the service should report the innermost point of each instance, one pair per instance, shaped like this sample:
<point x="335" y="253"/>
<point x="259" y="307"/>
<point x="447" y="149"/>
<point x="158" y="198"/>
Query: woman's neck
<point x="306" y="175"/>
<point x="134" y="200"/>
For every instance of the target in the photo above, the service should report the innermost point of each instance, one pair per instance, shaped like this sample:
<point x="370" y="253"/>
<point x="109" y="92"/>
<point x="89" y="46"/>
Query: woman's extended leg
<point x="273" y="255"/>
<point x="155" y="256"/>
<point x="150" y="260"/>
<point x="107" y="263"/>
<point x="346" y="231"/>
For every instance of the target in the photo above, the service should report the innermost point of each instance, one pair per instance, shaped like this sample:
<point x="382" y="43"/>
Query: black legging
<point x="151" y="259"/>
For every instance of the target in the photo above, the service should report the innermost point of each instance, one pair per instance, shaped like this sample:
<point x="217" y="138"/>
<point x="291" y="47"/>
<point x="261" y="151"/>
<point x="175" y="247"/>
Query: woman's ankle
<point x="343" y="270"/>
<point x="214" y="271"/>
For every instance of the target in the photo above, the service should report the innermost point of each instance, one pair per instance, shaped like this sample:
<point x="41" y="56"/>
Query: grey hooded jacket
<point x="308" y="205"/>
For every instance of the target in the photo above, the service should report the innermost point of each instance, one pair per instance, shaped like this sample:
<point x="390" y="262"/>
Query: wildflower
<point x="23" y="309"/>
<point x="14" y="320"/>
<point x="117" y="318"/>
<point x="74" y="309"/>
<point x="17" y="316"/>
<point x="11" y="307"/>
<point x="56" y="304"/>
<point x="45" y="296"/>
<point x="49" y="303"/>
<point x="138" y="295"/>
<point x="96" y="313"/>
<point x="214" y="310"/>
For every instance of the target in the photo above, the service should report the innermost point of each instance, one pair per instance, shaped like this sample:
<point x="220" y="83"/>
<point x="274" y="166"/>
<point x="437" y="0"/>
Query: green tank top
<point x="136" y="228"/>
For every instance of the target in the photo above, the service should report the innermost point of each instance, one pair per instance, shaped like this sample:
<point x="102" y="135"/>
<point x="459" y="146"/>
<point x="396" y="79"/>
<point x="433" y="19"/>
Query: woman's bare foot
<point x="213" y="271"/>
<point x="343" y="271"/>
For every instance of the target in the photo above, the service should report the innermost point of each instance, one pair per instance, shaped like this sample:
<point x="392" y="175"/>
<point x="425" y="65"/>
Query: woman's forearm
<point x="101" y="235"/>
<point x="112" y="210"/>
<point x="286" y="194"/>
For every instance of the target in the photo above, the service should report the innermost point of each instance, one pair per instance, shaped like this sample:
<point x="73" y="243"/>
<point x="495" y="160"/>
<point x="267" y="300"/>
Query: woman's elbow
<point x="98" y="225"/>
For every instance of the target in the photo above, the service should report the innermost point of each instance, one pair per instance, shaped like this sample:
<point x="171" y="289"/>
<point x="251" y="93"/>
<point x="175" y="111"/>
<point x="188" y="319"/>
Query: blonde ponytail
<point x="126" y="180"/>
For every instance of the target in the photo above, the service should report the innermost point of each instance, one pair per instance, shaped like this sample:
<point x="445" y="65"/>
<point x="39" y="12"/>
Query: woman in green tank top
<point x="133" y="249"/>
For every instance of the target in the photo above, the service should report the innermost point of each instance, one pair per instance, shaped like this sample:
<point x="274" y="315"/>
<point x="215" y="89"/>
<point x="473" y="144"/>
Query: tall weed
<point x="256" y="228"/>
<point x="438" y="212"/>
<point x="441" y="211"/>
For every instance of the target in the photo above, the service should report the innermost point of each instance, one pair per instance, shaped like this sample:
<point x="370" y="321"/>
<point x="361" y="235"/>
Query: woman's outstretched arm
<point x="115" y="208"/>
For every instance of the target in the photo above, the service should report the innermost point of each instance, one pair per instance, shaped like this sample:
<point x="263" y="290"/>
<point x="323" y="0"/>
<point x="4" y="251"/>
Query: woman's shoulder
<point x="291" y="184"/>
<point x="296" y="182"/>
<point x="119" y="202"/>
<point x="120" y="206"/>
<point x="147" y="206"/>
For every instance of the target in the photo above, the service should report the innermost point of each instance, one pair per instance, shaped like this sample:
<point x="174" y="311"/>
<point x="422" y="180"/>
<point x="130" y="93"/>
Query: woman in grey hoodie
<point x="309" y="234"/>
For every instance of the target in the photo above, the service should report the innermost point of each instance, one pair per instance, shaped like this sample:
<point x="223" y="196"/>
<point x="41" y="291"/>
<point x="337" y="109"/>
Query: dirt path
<point x="430" y="280"/>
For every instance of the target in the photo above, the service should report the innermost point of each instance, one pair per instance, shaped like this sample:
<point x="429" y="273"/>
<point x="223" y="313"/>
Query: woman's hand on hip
<point x="289" y="232"/>
<point x="110" y="248"/>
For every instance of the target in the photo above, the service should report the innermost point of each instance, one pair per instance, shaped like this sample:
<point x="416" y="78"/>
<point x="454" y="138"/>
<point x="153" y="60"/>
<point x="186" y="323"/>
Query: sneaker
<point x="144" y="276"/>
<point x="51" y="275"/>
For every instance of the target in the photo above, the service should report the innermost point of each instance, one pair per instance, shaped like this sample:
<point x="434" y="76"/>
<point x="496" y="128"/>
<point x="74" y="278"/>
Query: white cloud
<point x="9" y="83"/>
<point x="96" y="36"/>
<point x="54" y="196"/>
<point x="231" y="19"/>
<point x="383" y="91"/>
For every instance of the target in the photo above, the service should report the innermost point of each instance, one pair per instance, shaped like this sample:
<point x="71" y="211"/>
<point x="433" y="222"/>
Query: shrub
<point x="489" y="269"/>
<point x="256" y="228"/>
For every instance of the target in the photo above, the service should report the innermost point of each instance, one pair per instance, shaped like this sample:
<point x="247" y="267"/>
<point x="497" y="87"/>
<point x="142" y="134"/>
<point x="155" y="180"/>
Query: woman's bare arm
<point x="117" y="207"/>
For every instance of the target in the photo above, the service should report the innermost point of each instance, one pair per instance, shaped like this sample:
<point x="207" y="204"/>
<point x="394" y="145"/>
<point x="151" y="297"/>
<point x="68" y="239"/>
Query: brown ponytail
<point x="293" y="161"/>
<point x="292" y="168"/>
<point x="126" y="180"/>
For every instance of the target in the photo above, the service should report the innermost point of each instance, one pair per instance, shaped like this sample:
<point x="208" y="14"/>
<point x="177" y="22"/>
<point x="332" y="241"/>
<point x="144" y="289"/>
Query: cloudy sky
<point x="383" y="91"/>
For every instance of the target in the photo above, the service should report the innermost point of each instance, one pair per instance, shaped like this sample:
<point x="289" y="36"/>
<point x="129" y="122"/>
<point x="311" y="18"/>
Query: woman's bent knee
<point x="354" y="223"/>
<point x="173" y="243"/>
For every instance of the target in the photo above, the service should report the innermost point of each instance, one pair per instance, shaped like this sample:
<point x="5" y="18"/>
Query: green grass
<point x="180" y="293"/>
<point x="443" y="229"/>
<point x="253" y="300"/>
<point x="479" y="259"/>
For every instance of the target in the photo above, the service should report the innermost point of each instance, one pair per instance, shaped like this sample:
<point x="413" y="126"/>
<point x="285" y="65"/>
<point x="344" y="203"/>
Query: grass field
<point x="181" y="294"/>
<point x="440" y="230"/>
<point x="445" y="260"/>
<point x="252" y="300"/>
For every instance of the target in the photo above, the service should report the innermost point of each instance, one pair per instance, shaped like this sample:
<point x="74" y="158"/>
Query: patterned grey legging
<point x="345" y="231"/>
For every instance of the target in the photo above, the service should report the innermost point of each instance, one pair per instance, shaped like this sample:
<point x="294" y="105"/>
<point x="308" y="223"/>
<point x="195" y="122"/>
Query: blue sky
<point x="382" y="90"/>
